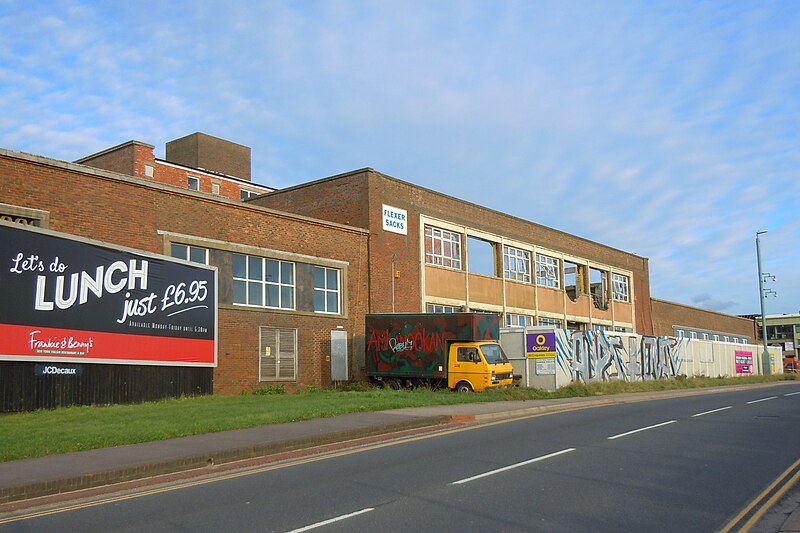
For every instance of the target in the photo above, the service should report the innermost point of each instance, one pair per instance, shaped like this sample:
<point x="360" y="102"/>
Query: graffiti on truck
<point x="600" y="356"/>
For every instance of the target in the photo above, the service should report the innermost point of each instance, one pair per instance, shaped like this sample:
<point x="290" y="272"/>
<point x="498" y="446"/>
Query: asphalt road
<point x="682" y="464"/>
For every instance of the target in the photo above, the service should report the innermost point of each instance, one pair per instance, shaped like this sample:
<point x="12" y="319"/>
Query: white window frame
<point x="693" y="335"/>
<point x="547" y="321"/>
<point x="266" y="283"/>
<point x="680" y="333"/>
<point x="516" y="264"/>
<point x="191" y="252"/>
<point x="245" y="194"/>
<point x="518" y="320"/>
<point x="439" y="308"/>
<point x="442" y="247"/>
<point x="548" y="271"/>
<point x="705" y="336"/>
<point x="193" y="183"/>
<point x="279" y="362"/>
<point x="620" y="287"/>
<point x="326" y="291"/>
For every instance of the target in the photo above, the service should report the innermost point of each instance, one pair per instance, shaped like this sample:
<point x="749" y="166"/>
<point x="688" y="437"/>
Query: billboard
<point x="69" y="300"/>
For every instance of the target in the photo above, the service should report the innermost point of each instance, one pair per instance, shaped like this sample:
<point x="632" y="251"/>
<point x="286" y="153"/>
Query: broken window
<point x="598" y="283"/>
<point x="574" y="279"/>
<point x="480" y="256"/>
<point x="548" y="272"/>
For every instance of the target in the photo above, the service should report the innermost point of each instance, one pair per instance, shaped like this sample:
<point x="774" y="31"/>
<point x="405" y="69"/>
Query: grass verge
<point x="69" y="429"/>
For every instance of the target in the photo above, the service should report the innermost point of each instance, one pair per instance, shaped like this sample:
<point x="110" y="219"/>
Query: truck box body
<point x="408" y="345"/>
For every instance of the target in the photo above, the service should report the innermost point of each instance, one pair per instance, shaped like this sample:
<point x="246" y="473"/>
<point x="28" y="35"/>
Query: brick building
<point x="536" y="274"/>
<point x="320" y="281"/>
<point x="199" y="162"/>
<point x="301" y="266"/>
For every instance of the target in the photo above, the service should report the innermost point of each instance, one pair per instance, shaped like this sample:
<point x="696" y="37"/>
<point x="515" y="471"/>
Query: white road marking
<point x="641" y="429"/>
<point x="762" y="400"/>
<point x="523" y="463"/>
<point x="792" y="393"/>
<point x="712" y="411"/>
<point x="332" y="520"/>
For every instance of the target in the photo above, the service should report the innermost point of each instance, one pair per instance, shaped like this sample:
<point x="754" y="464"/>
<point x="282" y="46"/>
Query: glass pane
<point x="287" y="273"/>
<point x="287" y="297"/>
<point x="333" y="279"/>
<point x="272" y="270"/>
<point x="333" y="302"/>
<point x="319" y="278"/>
<point x="254" y="293"/>
<point x="272" y="296"/>
<point x="255" y="264"/>
<point x="239" y="266"/>
<point x="239" y="292"/>
<point x="319" y="301"/>
<point x="198" y="255"/>
<point x="179" y="251"/>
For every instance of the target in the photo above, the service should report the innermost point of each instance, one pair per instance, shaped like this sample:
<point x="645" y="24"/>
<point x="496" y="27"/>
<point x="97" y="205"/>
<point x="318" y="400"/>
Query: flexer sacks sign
<point x="66" y="300"/>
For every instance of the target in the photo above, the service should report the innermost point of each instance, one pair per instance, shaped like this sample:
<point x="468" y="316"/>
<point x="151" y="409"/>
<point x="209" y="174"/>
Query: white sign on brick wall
<point x="395" y="220"/>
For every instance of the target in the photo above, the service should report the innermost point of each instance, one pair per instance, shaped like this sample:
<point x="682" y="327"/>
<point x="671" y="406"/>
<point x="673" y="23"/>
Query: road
<point x="681" y="464"/>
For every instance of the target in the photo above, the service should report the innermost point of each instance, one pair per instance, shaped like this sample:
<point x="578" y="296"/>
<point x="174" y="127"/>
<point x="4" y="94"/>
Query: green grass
<point x="69" y="429"/>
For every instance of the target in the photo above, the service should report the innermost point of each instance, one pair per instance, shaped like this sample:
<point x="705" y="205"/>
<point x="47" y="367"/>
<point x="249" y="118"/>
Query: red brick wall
<point x="669" y="314"/>
<point x="129" y="212"/>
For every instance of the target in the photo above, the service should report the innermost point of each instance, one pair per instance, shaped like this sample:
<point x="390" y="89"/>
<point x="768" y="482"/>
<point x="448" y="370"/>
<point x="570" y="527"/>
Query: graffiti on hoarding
<point x="597" y="356"/>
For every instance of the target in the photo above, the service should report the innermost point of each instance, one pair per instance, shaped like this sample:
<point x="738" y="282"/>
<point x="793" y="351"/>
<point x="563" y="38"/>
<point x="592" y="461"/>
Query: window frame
<point x="326" y="291"/>
<point x="547" y="321"/>
<point x="193" y="180"/>
<point x="444" y="240"/>
<point x="543" y="264"/>
<point x="513" y="258"/>
<point x="189" y="249"/>
<point x="265" y="283"/>
<point x="620" y="287"/>
<point x="443" y="309"/>
<point x="514" y="319"/>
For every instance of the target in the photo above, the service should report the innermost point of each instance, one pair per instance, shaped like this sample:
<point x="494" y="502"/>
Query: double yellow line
<point x="751" y="514"/>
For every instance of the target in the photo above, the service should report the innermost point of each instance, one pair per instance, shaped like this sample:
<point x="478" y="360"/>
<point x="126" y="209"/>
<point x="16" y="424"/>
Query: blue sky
<point x="667" y="129"/>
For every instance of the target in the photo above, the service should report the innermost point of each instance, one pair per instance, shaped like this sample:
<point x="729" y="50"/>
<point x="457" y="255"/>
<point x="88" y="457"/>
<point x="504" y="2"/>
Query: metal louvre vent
<point x="277" y="354"/>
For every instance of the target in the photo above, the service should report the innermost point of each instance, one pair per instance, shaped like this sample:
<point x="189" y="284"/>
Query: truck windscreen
<point x="493" y="354"/>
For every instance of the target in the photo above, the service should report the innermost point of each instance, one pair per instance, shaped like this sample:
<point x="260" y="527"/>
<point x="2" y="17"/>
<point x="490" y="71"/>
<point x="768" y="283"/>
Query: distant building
<point x="782" y="330"/>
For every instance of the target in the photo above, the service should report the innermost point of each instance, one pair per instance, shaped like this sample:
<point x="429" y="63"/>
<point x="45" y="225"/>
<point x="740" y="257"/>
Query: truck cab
<point x="477" y="366"/>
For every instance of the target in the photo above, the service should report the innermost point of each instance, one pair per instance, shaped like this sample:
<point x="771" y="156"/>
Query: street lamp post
<point x="765" y="358"/>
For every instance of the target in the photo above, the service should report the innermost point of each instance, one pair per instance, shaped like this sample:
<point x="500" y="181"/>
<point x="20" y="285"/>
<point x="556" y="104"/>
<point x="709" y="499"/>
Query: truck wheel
<point x="463" y="386"/>
<point x="392" y="384"/>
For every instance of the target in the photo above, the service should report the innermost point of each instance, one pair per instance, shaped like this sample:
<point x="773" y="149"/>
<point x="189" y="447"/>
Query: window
<point x="467" y="355"/>
<point x="598" y="285"/>
<point x="705" y="336"/>
<point x="693" y="334"/>
<point x="215" y="188"/>
<point x="436" y="308"/>
<point x="442" y="247"/>
<point x="545" y="321"/>
<point x="601" y="327"/>
<point x="277" y="359"/>
<point x="263" y="282"/>
<point x="620" y="287"/>
<point x="193" y="183"/>
<point x="326" y="290"/>
<point x="679" y="333"/>
<point x="726" y="338"/>
<point x="518" y="320"/>
<point x="547" y="271"/>
<point x="716" y="338"/>
<point x="481" y="257"/>
<point x="516" y="264"/>
<point x="194" y="254"/>
<point x="574" y="280"/>
<point x="244" y="194"/>
<point x="148" y="171"/>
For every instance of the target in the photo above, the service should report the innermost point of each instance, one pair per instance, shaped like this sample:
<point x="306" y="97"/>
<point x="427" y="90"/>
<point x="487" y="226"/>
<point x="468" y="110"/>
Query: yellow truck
<point x="459" y="351"/>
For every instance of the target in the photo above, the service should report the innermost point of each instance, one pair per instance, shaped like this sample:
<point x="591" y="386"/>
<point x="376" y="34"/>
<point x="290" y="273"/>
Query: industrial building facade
<point x="299" y="268"/>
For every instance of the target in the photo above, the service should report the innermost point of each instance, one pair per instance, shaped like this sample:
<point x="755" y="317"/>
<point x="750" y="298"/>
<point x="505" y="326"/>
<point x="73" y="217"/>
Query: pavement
<point x="49" y="480"/>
